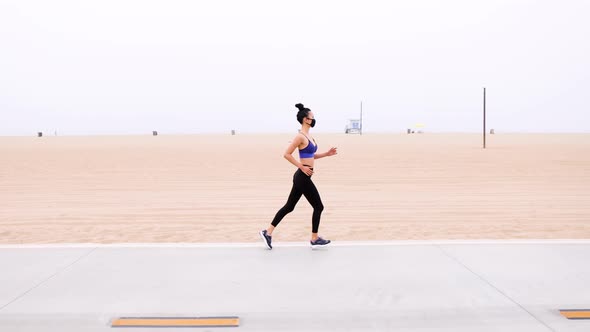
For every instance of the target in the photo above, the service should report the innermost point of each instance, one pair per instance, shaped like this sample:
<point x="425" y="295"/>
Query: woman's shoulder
<point x="300" y="137"/>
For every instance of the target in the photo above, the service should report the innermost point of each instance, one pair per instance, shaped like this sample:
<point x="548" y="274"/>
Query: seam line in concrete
<point x="494" y="287"/>
<point x="47" y="279"/>
<point x="298" y="244"/>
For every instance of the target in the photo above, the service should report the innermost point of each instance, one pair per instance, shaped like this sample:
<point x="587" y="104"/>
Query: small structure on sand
<point x="417" y="129"/>
<point x="353" y="126"/>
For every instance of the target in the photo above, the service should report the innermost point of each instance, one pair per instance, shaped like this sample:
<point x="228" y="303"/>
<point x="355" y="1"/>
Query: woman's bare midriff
<point x="307" y="161"/>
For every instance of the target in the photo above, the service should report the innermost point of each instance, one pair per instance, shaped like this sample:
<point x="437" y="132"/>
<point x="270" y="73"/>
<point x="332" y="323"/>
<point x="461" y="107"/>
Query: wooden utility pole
<point x="361" y="125"/>
<point x="484" y="118"/>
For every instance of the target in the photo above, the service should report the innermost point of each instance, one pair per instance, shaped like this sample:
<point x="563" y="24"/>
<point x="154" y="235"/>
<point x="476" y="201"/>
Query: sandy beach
<point x="224" y="188"/>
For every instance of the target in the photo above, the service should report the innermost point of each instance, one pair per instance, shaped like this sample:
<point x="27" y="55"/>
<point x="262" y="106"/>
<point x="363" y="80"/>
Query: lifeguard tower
<point x="418" y="128"/>
<point x="353" y="126"/>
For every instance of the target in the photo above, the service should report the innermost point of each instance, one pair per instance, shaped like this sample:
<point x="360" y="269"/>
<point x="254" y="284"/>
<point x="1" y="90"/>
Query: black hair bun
<point x="299" y="106"/>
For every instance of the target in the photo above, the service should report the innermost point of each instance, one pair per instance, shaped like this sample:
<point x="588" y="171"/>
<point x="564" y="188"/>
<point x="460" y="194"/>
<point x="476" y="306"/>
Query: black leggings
<point x="302" y="185"/>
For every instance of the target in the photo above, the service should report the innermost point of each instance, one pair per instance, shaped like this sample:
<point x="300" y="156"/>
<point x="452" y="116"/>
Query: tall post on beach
<point x="484" y="118"/>
<point x="361" y="124"/>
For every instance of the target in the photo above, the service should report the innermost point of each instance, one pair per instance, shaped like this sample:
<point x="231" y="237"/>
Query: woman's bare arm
<point x="289" y="152"/>
<point x="329" y="153"/>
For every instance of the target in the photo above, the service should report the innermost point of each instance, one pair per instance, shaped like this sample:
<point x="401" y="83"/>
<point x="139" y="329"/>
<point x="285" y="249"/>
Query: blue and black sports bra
<point x="309" y="151"/>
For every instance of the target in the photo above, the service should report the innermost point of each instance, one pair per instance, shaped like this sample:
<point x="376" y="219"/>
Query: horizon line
<point x="159" y="133"/>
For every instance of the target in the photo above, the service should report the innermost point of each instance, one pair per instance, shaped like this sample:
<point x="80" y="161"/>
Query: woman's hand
<point x="332" y="151"/>
<point x="307" y="170"/>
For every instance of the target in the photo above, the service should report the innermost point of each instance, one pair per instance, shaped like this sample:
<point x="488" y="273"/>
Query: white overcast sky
<point x="117" y="67"/>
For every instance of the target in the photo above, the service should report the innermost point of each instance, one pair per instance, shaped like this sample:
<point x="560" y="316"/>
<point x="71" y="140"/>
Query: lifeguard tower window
<point x="353" y="126"/>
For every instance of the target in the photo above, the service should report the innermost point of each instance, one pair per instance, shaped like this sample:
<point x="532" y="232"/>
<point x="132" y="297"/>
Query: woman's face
<point x="309" y="118"/>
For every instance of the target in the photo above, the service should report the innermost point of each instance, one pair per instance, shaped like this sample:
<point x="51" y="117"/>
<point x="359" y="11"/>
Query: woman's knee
<point x="319" y="207"/>
<point x="288" y="208"/>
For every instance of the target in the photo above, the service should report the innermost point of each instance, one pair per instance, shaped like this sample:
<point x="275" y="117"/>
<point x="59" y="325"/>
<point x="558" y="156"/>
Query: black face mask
<point x="312" y="123"/>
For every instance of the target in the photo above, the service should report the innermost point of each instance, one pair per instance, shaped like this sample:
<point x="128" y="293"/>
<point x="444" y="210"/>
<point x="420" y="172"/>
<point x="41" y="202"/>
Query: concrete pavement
<point x="350" y="286"/>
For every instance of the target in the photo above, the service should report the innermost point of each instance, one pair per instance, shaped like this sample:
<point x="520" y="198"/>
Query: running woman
<point x="302" y="184"/>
